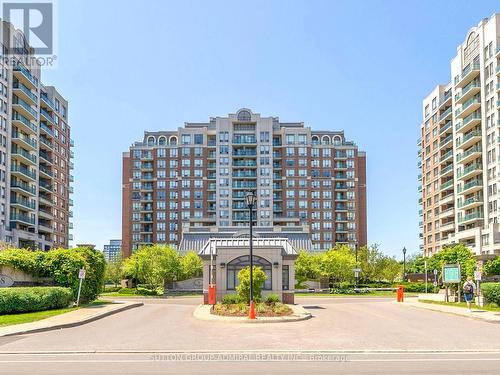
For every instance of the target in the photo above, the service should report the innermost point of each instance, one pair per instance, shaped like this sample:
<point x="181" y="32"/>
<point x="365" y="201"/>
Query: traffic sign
<point x="81" y="273"/>
<point x="435" y="272"/>
<point x="435" y="283"/>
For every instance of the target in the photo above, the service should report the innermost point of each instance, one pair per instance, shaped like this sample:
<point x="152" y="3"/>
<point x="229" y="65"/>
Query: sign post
<point x="425" y="266"/>
<point x="477" y="277"/>
<point x="81" y="276"/>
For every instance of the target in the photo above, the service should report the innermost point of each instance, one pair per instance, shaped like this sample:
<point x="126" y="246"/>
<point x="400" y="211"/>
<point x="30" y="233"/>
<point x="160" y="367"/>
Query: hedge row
<point x="62" y="265"/>
<point x="21" y="300"/>
<point x="491" y="291"/>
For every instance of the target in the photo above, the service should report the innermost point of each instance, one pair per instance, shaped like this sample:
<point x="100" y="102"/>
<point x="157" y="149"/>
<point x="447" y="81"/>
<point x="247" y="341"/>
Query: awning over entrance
<point x="213" y="244"/>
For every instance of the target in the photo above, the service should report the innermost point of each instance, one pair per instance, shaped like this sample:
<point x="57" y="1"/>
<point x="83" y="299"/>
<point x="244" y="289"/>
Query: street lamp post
<point x="250" y="201"/>
<point x="404" y="263"/>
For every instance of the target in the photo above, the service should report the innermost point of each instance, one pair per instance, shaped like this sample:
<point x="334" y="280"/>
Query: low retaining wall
<point x="10" y="276"/>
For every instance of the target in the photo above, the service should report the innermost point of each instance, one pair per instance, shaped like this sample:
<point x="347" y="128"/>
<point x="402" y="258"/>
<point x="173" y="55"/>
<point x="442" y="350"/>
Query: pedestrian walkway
<point x="476" y="313"/>
<point x="70" y="319"/>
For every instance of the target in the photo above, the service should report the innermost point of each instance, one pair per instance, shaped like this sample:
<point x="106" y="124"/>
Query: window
<point x="239" y="263"/>
<point x="186" y="139"/>
<point x="198" y="139"/>
<point x="285" y="277"/>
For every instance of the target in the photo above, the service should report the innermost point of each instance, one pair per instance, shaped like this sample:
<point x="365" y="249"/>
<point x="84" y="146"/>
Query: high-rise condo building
<point x="35" y="153"/>
<point x="185" y="186"/>
<point x="113" y="251"/>
<point x="458" y="148"/>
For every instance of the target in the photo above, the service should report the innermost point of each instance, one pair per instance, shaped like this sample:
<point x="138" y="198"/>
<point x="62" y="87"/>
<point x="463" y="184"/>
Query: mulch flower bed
<point x="262" y="309"/>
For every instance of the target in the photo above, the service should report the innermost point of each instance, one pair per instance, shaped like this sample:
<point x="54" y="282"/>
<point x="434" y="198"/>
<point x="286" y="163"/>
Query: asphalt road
<point x="345" y="335"/>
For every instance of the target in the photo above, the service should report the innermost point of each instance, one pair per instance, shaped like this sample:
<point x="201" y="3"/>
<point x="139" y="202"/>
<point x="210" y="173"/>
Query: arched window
<point x="315" y="140"/>
<point x="325" y="140"/>
<point x="173" y="140"/>
<point x="244" y="115"/>
<point x="151" y="141"/>
<point x="337" y="140"/>
<point x="234" y="266"/>
<point x="162" y="141"/>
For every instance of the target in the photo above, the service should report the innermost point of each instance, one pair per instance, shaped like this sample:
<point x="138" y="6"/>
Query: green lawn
<point x="10" y="319"/>
<point x="381" y="293"/>
<point x="488" y="307"/>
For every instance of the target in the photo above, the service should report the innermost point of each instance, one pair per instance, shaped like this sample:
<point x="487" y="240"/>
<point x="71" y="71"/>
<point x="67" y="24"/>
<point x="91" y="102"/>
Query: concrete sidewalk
<point x="476" y="313"/>
<point x="69" y="319"/>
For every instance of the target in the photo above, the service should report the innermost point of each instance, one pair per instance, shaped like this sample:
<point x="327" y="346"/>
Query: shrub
<point x="272" y="298"/>
<point x="62" y="265"/>
<point x="491" y="291"/>
<point x="415" y="287"/>
<point x="243" y="289"/>
<point x="492" y="267"/>
<point x="21" y="300"/>
<point x="230" y="299"/>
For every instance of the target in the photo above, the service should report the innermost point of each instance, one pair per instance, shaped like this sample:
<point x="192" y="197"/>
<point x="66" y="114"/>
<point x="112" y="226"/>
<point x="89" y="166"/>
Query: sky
<point x="359" y="66"/>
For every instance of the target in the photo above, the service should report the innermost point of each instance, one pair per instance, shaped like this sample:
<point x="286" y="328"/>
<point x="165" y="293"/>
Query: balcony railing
<point x="18" y="117"/>
<point x="469" y="185"/>
<point x="26" y="106"/>
<point x="26" y="73"/>
<point x="469" y="152"/>
<point x="475" y="215"/>
<point x="23" y="170"/>
<point x="18" y="85"/>
<point x="22" y="217"/>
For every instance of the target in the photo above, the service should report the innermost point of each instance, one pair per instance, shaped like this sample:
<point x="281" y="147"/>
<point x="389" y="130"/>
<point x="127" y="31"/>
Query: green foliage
<point x="154" y="265"/>
<point x="492" y="267"/>
<point x="307" y="266"/>
<point x="113" y="272"/>
<point x="458" y="253"/>
<point x="375" y="266"/>
<point x="191" y="266"/>
<point x="337" y="264"/>
<point x="243" y="289"/>
<point x="491" y="291"/>
<point x="416" y="287"/>
<point x="20" y="300"/>
<point x="272" y="298"/>
<point x="62" y="265"/>
<point x="230" y="299"/>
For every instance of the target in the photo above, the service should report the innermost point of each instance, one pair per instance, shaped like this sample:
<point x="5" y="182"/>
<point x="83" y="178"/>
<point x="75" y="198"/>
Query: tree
<point x="191" y="265"/>
<point x="113" y="272"/>
<point x="337" y="264"/>
<point x="454" y="254"/>
<point x="371" y="261"/>
<point x="392" y="269"/>
<point x="307" y="266"/>
<point x="154" y="265"/>
<point x="492" y="267"/>
<point x="243" y="289"/>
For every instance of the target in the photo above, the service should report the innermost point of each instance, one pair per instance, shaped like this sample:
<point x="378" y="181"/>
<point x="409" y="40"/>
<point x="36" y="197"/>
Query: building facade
<point x="458" y="149"/>
<point x="113" y="251"/>
<point x="195" y="179"/>
<point x="35" y="153"/>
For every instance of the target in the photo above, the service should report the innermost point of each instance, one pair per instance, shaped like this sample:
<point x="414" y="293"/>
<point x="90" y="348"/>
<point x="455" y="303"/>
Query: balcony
<point x="22" y="218"/>
<point x="24" y="203"/>
<point x="468" y="107"/>
<point x="469" y="122"/>
<point x="23" y="187"/>
<point x="24" y="140"/>
<point x="447" y="185"/>
<point x="46" y="129"/>
<point x="277" y="155"/>
<point x="47" y="101"/>
<point x="446" y="156"/>
<point x="447" y="212"/>
<point x="470" y="187"/>
<point x="23" y="156"/>
<point x="25" y="172"/>
<point x="470" y="203"/>
<point x="446" y="99"/>
<point x="244" y="185"/>
<point x="245" y="174"/>
<point x="23" y="123"/>
<point x="45" y="227"/>
<point x="470" y="170"/>
<point x="445" y="141"/>
<point x="468" y="74"/>
<point x="46" y="171"/>
<point x="470" y="217"/>
<point x="45" y="156"/>
<point x="25" y="76"/>
<point x="446" y="170"/>
<point x="446" y="127"/>
<point x="24" y="108"/>
<point x="242" y="139"/>
<point x="244" y="163"/>
<point x="470" y="154"/>
<point x="469" y="139"/>
<point x="45" y="185"/>
<point x="48" y="117"/>
<point x="472" y="88"/>
<point x="446" y="115"/>
<point x="23" y="91"/>
<point x="244" y="152"/>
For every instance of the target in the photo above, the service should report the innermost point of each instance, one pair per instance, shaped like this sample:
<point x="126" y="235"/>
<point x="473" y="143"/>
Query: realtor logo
<point x="36" y="21"/>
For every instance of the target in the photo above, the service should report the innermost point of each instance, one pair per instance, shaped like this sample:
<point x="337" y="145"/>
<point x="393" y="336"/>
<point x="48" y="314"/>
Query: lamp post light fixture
<point x="251" y="199"/>
<point x="404" y="263"/>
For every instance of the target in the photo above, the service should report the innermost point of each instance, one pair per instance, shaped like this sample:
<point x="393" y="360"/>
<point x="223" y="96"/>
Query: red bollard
<point x="400" y="294"/>
<point x="211" y="294"/>
<point x="251" y="310"/>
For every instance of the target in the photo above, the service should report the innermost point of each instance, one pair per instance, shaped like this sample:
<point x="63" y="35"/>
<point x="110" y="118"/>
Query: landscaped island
<point x="232" y="305"/>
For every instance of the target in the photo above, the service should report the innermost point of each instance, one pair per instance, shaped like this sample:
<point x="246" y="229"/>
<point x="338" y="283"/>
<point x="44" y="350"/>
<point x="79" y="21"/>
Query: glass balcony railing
<point x="24" y="154"/>
<point x="245" y="174"/>
<point x="46" y="99"/>
<point x="18" y="117"/>
<point x="476" y="199"/>
<point x="19" y="86"/>
<point x="23" y="186"/>
<point x="245" y="163"/>
<point x="447" y="184"/>
<point x="22" y="217"/>
<point x="446" y="126"/>
<point x="445" y="114"/>
<point x="46" y="128"/>
<point x="244" y="185"/>
<point x="472" y="216"/>
<point x="244" y="139"/>
<point x="27" y="203"/>
<point x="47" y="115"/>
<point x="469" y="152"/>
<point x="26" y="139"/>
<point x="26" y="106"/>
<point x="447" y="169"/>
<point x="23" y="170"/>
<point x="470" y="168"/>
<point x="26" y="73"/>
<point x="45" y="185"/>
<point x="467" y="104"/>
<point x="468" y="136"/>
<point x="446" y="140"/>
<point x="469" y="185"/>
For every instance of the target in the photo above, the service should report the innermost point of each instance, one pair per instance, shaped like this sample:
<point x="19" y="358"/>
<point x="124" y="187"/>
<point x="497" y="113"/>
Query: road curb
<point x="125" y="307"/>
<point x="202" y="312"/>
<point x="424" y="306"/>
